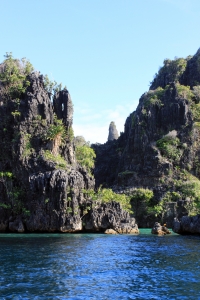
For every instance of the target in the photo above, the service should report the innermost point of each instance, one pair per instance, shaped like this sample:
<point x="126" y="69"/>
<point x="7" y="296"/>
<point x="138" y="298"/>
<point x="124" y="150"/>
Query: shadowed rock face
<point x="63" y="107"/>
<point x="187" y="225"/>
<point x="42" y="194"/>
<point x="110" y="215"/>
<point x="134" y="160"/>
<point x="113" y="133"/>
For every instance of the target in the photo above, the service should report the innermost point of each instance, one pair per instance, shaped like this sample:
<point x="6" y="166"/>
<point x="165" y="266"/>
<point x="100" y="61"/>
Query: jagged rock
<point x="3" y="226"/>
<point x="187" y="225"/>
<point x="63" y="107"/>
<point x="176" y="227"/>
<point x="50" y="190"/>
<point x="110" y="216"/>
<point x="134" y="160"/>
<point x="49" y="181"/>
<point x="159" y="229"/>
<point x="113" y="133"/>
<point x="110" y="231"/>
<point x="17" y="226"/>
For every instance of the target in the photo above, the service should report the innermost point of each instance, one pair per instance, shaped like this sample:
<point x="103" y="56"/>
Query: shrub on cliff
<point x="13" y="77"/>
<point x="140" y="201"/>
<point x="85" y="156"/>
<point x="104" y="195"/>
<point x="170" y="72"/>
<point x="170" y="147"/>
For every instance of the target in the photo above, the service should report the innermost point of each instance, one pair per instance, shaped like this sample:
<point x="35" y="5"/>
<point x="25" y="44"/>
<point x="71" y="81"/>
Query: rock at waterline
<point x="110" y="231"/>
<point x="159" y="229"/>
<point x="187" y="225"/>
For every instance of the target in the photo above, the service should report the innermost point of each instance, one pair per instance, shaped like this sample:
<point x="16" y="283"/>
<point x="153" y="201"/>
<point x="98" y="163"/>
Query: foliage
<point x="58" y="159"/>
<point x="184" y="91"/>
<point x="196" y="92"/>
<point x="195" y="108"/>
<point x="8" y="175"/>
<point x="170" y="147"/>
<point x="125" y="173"/>
<point x="80" y="141"/>
<point x="5" y="206"/>
<point x="85" y="156"/>
<point x="51" y="86"/>
<point x="140" y="201"/>
<point x="160" y="209"/>
<point x="27" y="145"/>
<point x="107" y="195"/>
<point x="13" y="77"/>
<point x="70" y="134"/>
<point x="56" y="134"/>
<point x="172" y="69"/>
<point x="189" y="188"/>
<point x="154" y="97"/>
<point x="56" y="129"/>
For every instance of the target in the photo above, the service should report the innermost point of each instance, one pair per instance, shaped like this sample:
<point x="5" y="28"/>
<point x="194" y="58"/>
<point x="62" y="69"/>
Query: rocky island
<point x="51" y="181"/>
<point x="43" y="187"/>
<point x="156" y="159"/>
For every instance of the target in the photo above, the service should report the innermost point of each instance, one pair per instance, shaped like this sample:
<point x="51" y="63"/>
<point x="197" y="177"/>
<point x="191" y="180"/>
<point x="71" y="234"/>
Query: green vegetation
<point x="85" y="156"/>
<point x="184" y="92"/>
<point x="51" y="86"/>
<point x="104" y="195"/>
<point x="58" y="159"/>
<point x="173" y="68"/>
<point x="5" y="206"/>
<point x="196" y="92"/>
<point x="8" y="175"/>
<point x="160" y="209"/>
<point x="169" y="146"/>
<point x="27" y="145"/>
<point x="56" y="130"/>
<point x="125" y="173"/>
<point x="153" y="97"/>
<point x="140" y="200"/>
<point x="13" y="77"/>
<point x="70" y="134"/>
<point x="56" y="134"/>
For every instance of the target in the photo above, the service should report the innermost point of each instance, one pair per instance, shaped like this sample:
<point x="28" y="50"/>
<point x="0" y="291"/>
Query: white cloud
<point x="94" y="126"/>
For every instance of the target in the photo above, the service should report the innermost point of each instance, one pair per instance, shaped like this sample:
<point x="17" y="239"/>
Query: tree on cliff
<point x="85" y="155"/>
<point x="13" y="77"/>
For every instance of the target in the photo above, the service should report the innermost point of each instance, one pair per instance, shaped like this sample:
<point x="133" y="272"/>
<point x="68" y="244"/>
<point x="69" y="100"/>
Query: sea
<point x="99" y="266"/>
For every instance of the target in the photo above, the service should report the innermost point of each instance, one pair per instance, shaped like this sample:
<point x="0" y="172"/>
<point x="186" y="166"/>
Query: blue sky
<point x="105" y="51"/>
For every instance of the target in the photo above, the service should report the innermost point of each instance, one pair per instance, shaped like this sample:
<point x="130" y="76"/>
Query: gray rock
<point x="113" y="133"/>
<point x="110" y="231"/>
<point x="110" y="216"/>
<point x="159" y="229"/>
<point x="17" y="226"/>
<point x="187" y="225"/>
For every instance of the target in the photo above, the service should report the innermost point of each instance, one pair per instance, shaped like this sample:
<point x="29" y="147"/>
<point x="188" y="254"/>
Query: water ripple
<point x="87" y="266"/>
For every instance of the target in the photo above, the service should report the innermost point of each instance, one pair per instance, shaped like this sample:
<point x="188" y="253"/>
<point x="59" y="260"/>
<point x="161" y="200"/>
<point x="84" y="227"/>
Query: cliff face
<point x="159" y="148"/>
<point x="41" y="184"/>
<point x="42" y="187"/>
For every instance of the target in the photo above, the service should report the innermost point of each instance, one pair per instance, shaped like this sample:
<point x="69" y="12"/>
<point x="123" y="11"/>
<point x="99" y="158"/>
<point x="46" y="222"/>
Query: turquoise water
<point x="98" y="266"/>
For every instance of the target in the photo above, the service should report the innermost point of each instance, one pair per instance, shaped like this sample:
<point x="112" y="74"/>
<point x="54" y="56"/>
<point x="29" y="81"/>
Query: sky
<point x="105" y="51"/>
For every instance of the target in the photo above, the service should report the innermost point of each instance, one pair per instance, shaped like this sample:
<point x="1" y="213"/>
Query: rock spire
<point x="113" y="133"/>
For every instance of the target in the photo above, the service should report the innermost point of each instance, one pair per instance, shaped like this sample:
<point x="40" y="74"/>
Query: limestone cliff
<point x="160" y="147"/>
<point x="41" y="184"/>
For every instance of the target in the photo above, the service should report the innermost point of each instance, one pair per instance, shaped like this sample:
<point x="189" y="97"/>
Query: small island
<point x="52" y="181"/>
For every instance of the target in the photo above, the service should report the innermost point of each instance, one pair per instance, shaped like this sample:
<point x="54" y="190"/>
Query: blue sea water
<point x="98" y="266"/>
